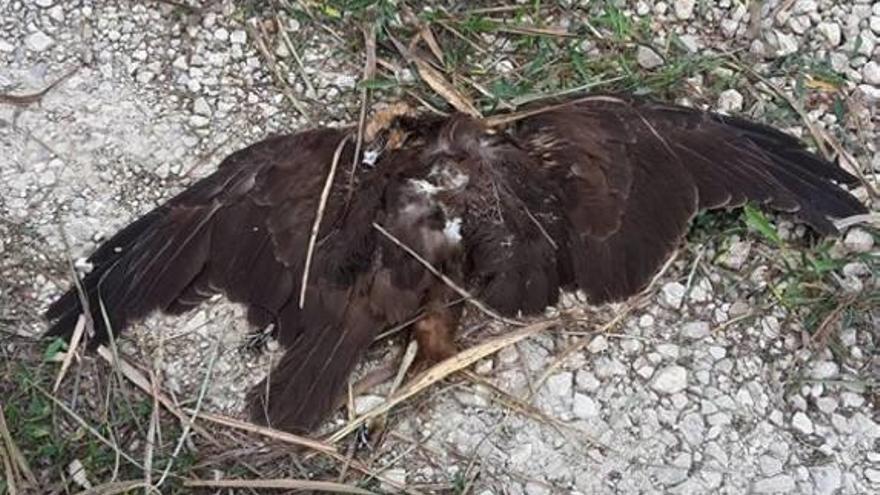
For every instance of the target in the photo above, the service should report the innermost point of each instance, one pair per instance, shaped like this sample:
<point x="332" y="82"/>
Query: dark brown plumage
<point x="593" y="193"/>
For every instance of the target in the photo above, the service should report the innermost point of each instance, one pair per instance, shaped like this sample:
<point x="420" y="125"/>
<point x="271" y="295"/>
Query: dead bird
<point x="592" y="192"/>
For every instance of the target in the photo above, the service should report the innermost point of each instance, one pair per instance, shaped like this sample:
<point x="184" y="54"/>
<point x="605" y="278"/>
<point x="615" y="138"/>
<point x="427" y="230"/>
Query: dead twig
<point x="78" y="331"/>
<point x="443" y="369"/>
<point x="260" y="42"/>
<point x="437" y="81"/>
<point x="267" y="432"/>
<point x="446" y="280"/>
<point x="369" y="74"/>
<point x="139" y="380"/>
<point x="17" y="462"/>
<point x="189" y="424"/>
<point x="27" y="100"/>
<point x="279" y="484"/>
<point x="316" y="226"/>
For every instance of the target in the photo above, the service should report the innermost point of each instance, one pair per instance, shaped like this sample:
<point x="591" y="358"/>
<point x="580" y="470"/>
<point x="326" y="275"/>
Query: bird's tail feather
<point x="303" y="387"/>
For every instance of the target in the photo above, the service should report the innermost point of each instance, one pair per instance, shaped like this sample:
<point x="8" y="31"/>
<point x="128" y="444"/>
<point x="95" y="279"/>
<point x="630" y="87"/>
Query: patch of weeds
<point x="809" y="274"/>
<point x="50" y="439"/>
<point x="715" y="224"/>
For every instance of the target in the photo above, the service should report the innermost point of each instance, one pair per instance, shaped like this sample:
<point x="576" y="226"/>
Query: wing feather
<point x="631" y="175"/>
<point x="238" y="231"/>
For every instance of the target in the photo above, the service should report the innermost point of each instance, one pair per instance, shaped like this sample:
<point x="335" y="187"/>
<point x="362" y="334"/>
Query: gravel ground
<point x="708" y="384"/>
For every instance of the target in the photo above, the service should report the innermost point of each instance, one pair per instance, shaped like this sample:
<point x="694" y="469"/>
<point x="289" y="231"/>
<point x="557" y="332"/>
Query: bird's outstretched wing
<point x="241" y="231"/>
<point x="622" y="179"/>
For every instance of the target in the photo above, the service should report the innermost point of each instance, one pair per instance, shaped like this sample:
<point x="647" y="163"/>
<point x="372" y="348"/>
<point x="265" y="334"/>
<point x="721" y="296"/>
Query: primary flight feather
<point x="593" y="192"/>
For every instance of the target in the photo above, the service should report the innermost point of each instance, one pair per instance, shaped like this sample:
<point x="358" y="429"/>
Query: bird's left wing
<point x="622" y="179"/>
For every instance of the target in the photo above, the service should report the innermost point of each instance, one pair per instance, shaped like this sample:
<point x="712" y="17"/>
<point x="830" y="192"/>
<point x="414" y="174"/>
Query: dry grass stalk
<point x="75" y="339"/>
<point x="116" y="487"/>
<point x="279" y="484"/>
<point x="89" y="428"/>
<point x="282" y="30"/>
<point x="581" y="344"/>
<point x="501" y="120"/>
<point x="29" y="99"/>
<point x="319" y="215"/>
<point x="260" y="38"/>
<point x="17" y="463"/>
<point x="446" y="280"/>
<point x="139" y="380"/>
<point x="867" y="219"/>
<point x="10" y="474"/>
<point x="442" y="370"/>
<point x="437" y="81"/>
<point x="267" y="432"/>
<point x="369" y="74"/>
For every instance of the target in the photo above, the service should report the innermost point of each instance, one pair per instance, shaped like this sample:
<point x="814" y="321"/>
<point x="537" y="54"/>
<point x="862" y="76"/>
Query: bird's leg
<point x="435" y="334"/>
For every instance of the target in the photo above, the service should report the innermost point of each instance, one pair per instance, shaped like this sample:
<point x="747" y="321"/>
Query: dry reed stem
<point x="319" y="215"/>
<point x="116" y="487"/>
<point x="78" y="331"/>
<point x="446" y="280"/>
<point x="437" y="81"/>
<point x="279" y="484"/>
<point x="443" y="369"/>
<point x="139" y="380"/>
<point x="259" y="37"/>
<point x="19" y="463"/>
<point x="267" y="432"/>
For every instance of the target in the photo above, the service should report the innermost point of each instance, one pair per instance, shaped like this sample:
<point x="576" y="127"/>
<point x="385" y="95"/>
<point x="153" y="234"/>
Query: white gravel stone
<point x="871" y="73"/>
<point x="802" y="423"/>
<point x="696" y="330"/>
<point x="365" y="403"/>
<point x="826" y="404"/>
<point x="858" y="240"/>
<point x="738" y="252"/>
<point x="584" y="407"/>
<point x="238" y="37"/>
<point x="535" y="488"/>
<point x="670" y="380"/>
<point x="684" y="9"/>
<point x="607" y="367"/>
<point x="397" y="475"/>
<point x="805" y="6"/>
<point x="782" y="483"/>
<point x="201" y="107"/>
<point x="598" y="344"/>
<point x="560" y="384"/>
<point x="851" y="399"/>
<point x="672" y="294"/>
<point x="784" y="43"/>
<point x="648" y="58"/>
<point x="587" y="381"/>
<point x="199" y="121"/>
<point x="826" y="479"/>
<point x="769" y="465"/>
<point x="39" y="41"/>
<point x="6" y="47"/>
<point x="830" y="31"/>
<point x="475" y="396"/>
<point x="822" y="370"/>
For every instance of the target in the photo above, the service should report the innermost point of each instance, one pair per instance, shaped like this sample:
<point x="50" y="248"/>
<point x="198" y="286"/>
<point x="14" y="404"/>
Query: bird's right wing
<point x="241" y="231"/>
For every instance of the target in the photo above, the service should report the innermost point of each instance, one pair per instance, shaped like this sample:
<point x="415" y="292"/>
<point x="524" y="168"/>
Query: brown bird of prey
<point x="591" y="193"/>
